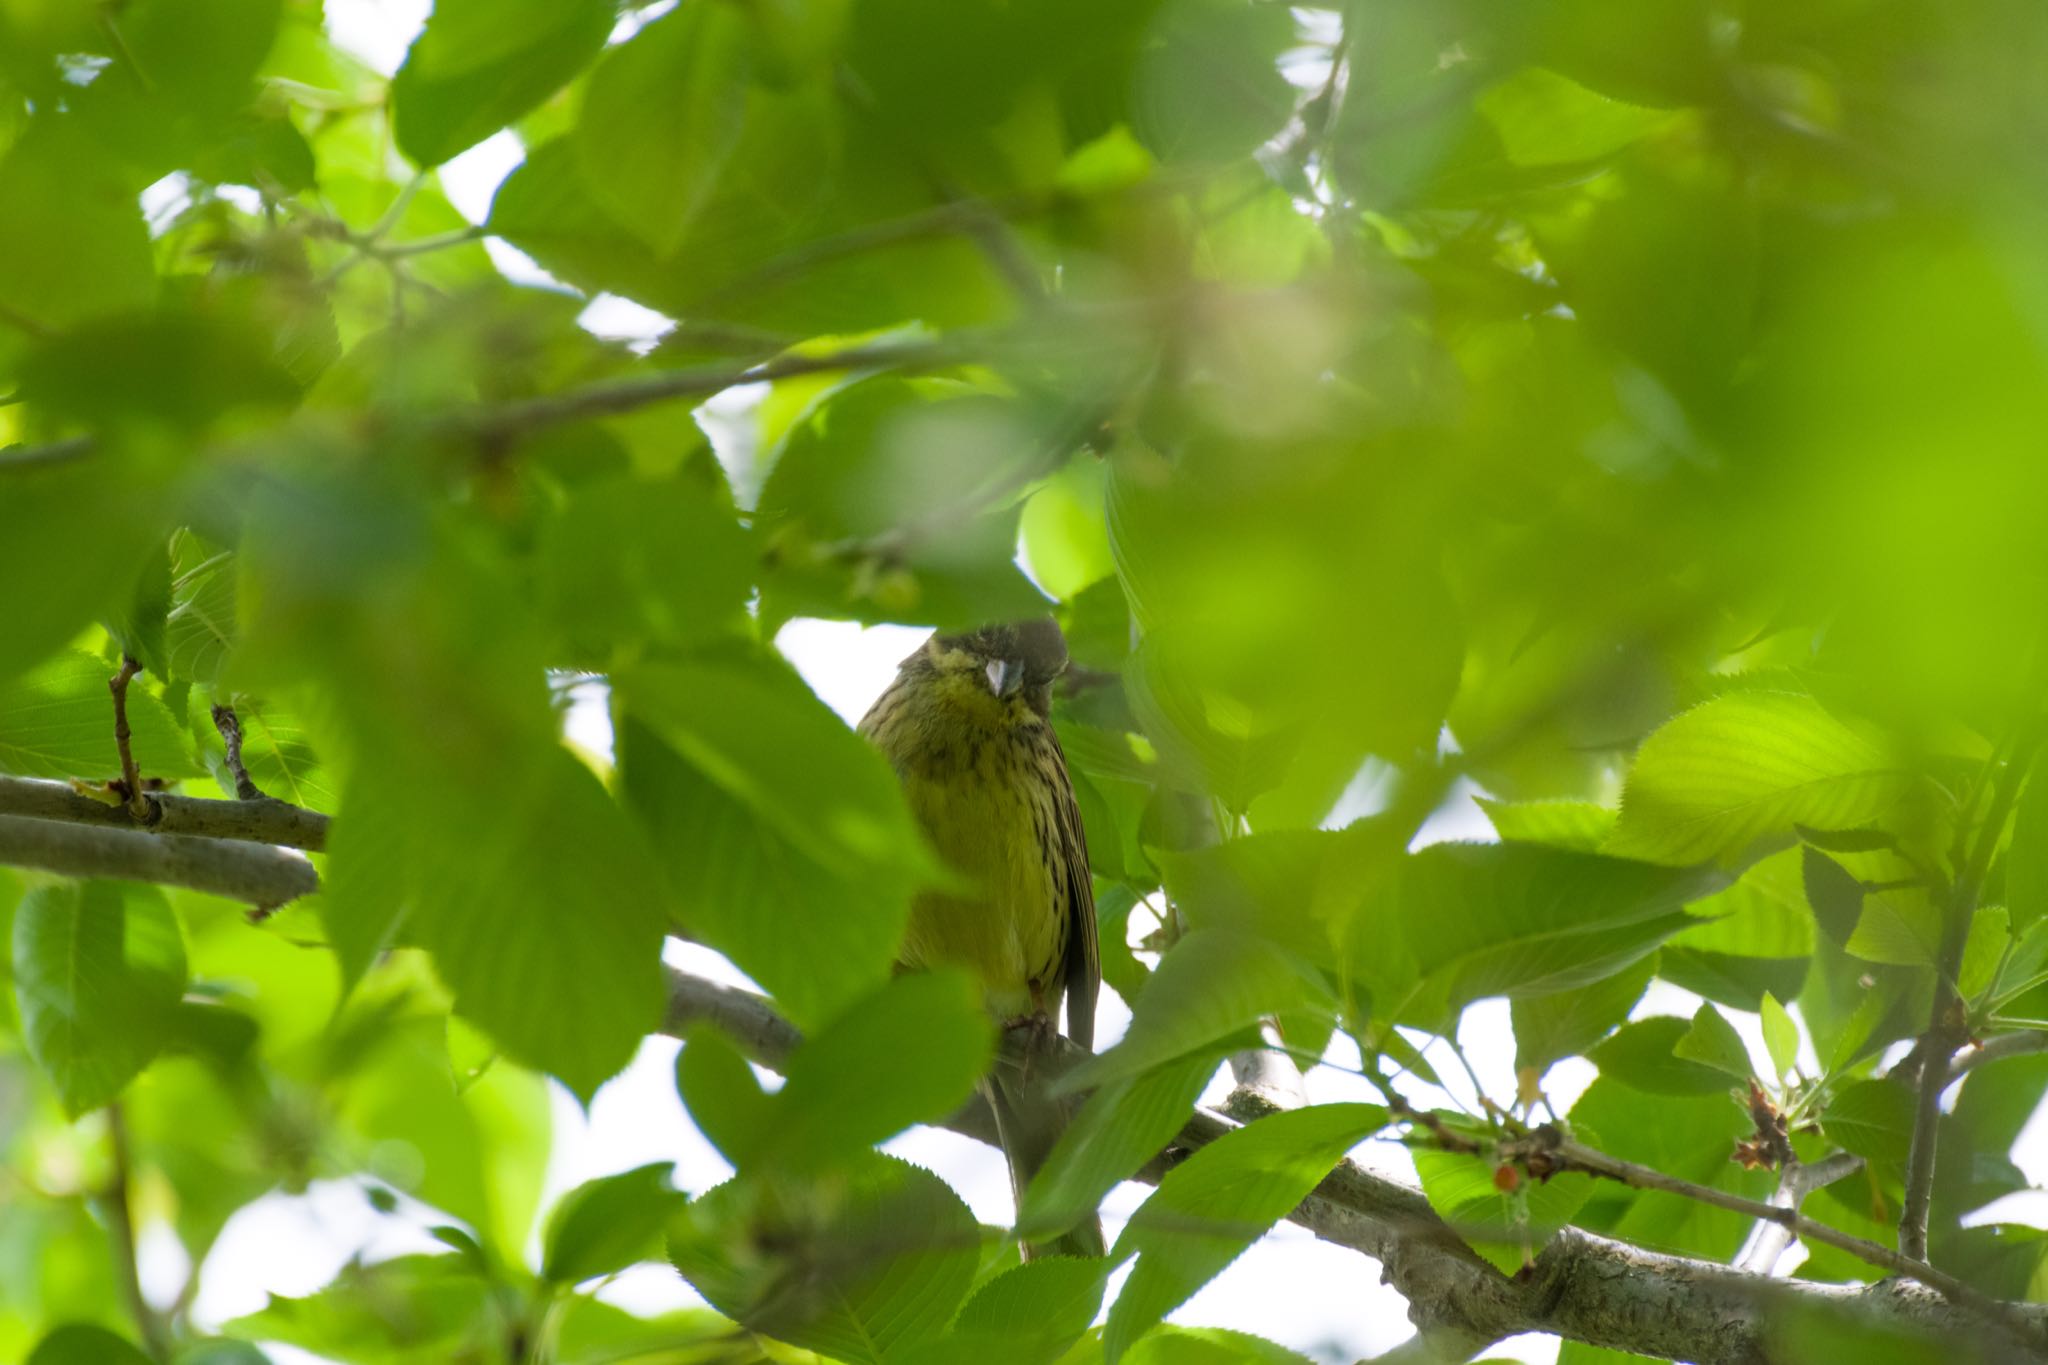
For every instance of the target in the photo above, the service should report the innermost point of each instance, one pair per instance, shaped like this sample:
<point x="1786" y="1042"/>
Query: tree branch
<point x="261" y="821"/>
<point x="505" y="421"/>
<point x="264" y="877"/>
<point x="1948" y="1018"/>
<point x="1997" y="1050"/>
<point x="1580" y="1286"/>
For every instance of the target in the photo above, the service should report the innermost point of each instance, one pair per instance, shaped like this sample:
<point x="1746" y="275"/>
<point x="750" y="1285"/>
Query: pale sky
<point x="1319" y="1299"/>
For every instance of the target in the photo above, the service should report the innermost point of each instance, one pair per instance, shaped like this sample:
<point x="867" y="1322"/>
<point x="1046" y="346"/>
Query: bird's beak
<point x="1005" y="676"/>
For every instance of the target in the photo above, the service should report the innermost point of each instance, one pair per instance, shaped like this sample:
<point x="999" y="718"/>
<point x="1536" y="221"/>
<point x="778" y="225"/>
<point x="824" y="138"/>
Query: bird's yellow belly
<point x="1006" y="922"/>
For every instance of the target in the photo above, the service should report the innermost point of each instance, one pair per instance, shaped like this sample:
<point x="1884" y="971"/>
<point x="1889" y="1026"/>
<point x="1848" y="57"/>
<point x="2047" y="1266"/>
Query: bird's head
<point x="1013" y="664"/>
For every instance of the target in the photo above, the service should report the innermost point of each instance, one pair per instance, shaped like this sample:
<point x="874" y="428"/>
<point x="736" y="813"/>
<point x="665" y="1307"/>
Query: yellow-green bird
<point x="967" y="726"/>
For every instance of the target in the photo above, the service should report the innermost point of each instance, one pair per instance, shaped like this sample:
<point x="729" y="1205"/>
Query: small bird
<point x="967" y="726"/>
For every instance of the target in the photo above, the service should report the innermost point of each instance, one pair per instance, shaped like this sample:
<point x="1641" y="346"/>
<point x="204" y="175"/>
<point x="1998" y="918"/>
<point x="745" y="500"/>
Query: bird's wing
<point x="1082" y="969"/>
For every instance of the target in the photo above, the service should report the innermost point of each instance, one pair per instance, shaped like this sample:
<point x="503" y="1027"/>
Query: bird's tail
<point x="1029" y="1120"/>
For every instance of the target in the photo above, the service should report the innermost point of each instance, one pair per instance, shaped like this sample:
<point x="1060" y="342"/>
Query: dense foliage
<point x="1629" y="412"/>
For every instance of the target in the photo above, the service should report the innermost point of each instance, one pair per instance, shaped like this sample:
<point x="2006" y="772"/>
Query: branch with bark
<point x="1580" y="1286"/>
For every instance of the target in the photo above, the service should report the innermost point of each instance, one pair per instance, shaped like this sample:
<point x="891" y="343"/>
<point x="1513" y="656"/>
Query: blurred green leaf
<point x="1456" y="922"/>
<point x="1209" y="986"/>
<point x="2026" y="859"/>
<point x="493" y="919"/>
<point x="1209" y="1208"/>
<point x="98" y="968"/>
<point x="604" y="1225"/>
<point x="478" y="65"/>
<point x="80" y="1343"/>
<point x="405" y="1311"/>
<point x="631" y="563"/>
<point x="861" y="1266"/>
<point x="77" y="249"/>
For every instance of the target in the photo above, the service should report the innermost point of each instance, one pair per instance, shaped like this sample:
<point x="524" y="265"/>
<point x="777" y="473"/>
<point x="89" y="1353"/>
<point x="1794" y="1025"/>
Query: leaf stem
<point x="121" y="1229"/>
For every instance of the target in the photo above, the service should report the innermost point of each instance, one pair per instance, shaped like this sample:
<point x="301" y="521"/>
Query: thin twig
<point x="502" y="420"/>
<point x="230" y="726"/>
<point x="131" y="777"/>
<point x="120" y="1217"/>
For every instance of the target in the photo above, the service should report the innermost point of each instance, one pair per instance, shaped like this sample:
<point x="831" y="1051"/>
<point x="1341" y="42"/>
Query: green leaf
<point x="910" y="1052"/>
<point x="58" y="721"/>
<point x="1582" y="826"/>
<point x="1288" y="886"/>
<point x="662" y="119"/>
<point x="81" y="531"/>
<point x="1119" y="1128"/>
<point x="199" y="634"/>
<point x="1712" y="1041"/>
<point x="630" y="563"/>
<point x="723" y="1095"/>
<point x="137" y="628"/>
<point x="1544" y="118"/>
<point x="860" y="1268"/>
<point x="490" y="884"/>
<point x="1873" y="1119"/>
<point x="1691" y="1137"/>
<point x="1643" y="1055"/>
<point x="1566" y="1023"/>
<point x="75" y="247"/>
<point x="1457" y="922"/>
<point x="1211" y="985"/>
<point x="366" y="896"/>
<point x="893" y="499"/>
<point x="479" y="64"/>
<point x="79" y="1343"/>
<point x="604" y="1225"/>
<point x="1748" y="766"/>
<point x="2026" y="858"/>
<point x="98" y="968"/>
<point x="1028" y="1315"/>
<point x="1507" y="1229"/>
<point x="749" y="724"/>
<point x="1214" y="742"/>
<point x="1781" y="1036"/>
<point x="1212" y="1206"/>
<point x="1209" y="1346"/>
<point x="409" y="1308"/>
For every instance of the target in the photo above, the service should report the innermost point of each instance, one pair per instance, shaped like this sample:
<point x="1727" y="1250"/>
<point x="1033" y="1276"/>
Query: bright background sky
<point x="1319" y="1299"/>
